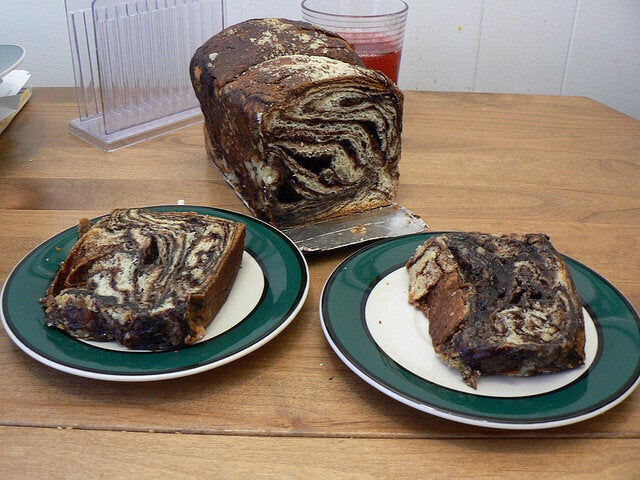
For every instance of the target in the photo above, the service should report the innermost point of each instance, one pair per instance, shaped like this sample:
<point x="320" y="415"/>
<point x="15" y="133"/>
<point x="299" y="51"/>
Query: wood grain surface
<point x="566" y="166"/>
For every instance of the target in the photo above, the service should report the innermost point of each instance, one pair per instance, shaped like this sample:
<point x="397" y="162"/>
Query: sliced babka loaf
<point x="296" y="123"/>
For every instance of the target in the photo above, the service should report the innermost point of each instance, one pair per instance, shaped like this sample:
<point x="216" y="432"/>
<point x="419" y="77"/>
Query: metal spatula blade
<point x="384" y="222"/>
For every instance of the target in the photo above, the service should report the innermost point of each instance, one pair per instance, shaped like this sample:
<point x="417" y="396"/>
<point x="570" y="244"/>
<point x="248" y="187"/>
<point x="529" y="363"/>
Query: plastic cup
<point x="374" y="27"/>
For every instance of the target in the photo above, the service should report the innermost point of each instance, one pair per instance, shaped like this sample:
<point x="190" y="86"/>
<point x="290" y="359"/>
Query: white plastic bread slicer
<point x="131" y="65"/>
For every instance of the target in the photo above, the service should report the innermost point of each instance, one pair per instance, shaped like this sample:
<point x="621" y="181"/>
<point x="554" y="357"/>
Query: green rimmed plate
<point x="367" y="320"/>
<point x="270" y="290"/>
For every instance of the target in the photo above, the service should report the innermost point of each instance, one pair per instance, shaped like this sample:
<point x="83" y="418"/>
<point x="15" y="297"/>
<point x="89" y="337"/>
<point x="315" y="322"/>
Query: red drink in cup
<point x="379" y="54"/>
<point x="374" y="27"/>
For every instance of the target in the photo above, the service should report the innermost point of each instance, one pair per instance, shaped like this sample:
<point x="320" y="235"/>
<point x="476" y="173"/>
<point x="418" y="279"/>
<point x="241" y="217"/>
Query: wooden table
<point x="566" y="166"/>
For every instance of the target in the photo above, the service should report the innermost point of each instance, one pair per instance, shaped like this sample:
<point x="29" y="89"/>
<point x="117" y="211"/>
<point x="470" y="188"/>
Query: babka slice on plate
<point x="150" y="280"/>
<point x="498" y="305"/>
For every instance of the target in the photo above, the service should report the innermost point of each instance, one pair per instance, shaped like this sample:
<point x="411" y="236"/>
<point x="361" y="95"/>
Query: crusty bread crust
<point x="295" y="123"/>
<point x="502" y="305"/>
<point x="227" y="55"/>
<point x="203" y="306"/>
<point x="150" y="280"/>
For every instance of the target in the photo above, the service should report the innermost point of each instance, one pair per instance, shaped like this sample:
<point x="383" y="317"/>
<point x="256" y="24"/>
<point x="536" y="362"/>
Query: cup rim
<point x="402" y="11"/>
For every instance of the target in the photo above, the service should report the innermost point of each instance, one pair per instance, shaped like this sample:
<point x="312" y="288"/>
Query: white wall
<point x="559" y="47"/>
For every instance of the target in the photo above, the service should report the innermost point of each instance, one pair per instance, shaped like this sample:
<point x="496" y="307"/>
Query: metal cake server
<point x="383" y="222"/>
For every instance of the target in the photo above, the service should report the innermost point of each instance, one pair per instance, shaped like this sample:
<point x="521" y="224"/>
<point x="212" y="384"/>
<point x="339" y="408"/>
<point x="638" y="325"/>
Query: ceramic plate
<point x="10" y="57"/>
<point x="372" y="328"/>
<point x="270" y="289"/>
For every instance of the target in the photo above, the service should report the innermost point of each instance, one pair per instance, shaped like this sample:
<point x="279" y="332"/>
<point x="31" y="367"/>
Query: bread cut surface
<point x="295" y="123"/>
<point x="498" y="305"/>
<point x="150" y="280"/>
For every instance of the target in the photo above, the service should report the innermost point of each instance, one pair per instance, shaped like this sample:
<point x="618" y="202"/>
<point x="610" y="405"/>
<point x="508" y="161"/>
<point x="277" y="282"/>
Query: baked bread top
<point x="150" y="280"/>
<point x="498" y="304"/>
<point x="228" y="54"/>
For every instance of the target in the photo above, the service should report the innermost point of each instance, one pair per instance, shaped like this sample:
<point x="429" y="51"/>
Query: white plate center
<point x="402" y="332"/>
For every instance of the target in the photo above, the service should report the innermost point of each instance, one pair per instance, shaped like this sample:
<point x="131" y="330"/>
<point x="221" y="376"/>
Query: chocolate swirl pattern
<point x="498" y="305"/>
<point x="303" y="132"/>
<point x="150" y="280"/>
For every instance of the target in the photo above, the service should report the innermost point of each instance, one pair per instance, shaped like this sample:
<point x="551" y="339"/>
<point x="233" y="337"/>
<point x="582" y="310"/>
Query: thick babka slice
<point x="150" y="280"/>
<point x="295" y="122"/>
<point x="503" y="305"/>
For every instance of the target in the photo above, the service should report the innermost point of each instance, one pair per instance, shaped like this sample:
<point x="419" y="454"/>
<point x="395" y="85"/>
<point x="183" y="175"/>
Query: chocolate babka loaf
<point x="295" y="123"/>
<point x="150" y="280"/>
<point x="503" y="305"/>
